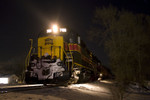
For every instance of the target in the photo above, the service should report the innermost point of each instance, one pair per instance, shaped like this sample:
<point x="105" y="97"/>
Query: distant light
<point x="49" y="30"/>
<point x="55" y="28"/>
<point x="63" y="30"/>
<point x="3" y="80"/>
<point x="100" y="74"/>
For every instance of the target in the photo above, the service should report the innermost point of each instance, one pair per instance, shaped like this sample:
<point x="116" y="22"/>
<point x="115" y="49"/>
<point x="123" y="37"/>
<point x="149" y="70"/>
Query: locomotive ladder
<point x="68" y="59"/>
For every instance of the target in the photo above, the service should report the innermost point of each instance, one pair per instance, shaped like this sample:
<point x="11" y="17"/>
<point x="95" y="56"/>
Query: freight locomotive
<point x="61" y="55"/>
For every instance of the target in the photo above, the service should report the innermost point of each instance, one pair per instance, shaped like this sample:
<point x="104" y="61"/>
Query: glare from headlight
<point x="55" y="29"/>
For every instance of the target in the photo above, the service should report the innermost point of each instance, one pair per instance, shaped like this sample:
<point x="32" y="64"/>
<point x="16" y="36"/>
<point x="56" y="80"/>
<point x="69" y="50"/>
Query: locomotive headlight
<point x="55" y="29"/>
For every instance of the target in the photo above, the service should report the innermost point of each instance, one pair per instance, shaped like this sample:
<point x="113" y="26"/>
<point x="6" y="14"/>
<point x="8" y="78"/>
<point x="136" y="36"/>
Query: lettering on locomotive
<point x="48" y="41"/>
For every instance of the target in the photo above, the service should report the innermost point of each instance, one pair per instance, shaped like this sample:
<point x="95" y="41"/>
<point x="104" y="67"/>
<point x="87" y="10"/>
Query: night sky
<point x="21" y="20"/>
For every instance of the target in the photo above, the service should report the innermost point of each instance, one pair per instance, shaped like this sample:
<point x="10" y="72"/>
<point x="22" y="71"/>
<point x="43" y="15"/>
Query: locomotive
<point x="61" y="55"/>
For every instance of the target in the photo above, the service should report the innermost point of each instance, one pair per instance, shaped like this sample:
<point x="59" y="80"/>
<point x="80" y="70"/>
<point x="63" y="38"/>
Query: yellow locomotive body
<point x="51" y="45"/>
<point x="60" y="57"/>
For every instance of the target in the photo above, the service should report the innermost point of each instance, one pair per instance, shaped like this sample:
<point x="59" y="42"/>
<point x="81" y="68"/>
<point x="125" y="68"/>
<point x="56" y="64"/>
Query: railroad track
<point x="15" y="88"/>
<point x="25" y="87"/>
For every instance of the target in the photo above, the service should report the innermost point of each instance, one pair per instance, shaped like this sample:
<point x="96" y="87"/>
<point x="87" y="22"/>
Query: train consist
<point x="61" y="55"/>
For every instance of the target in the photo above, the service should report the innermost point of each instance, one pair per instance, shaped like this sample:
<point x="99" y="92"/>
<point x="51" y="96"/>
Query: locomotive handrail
<point x="83" y="66"/>
<point x="72" y="59"/>
<point x="28" y="56"/>
<point x="68" y="58"/>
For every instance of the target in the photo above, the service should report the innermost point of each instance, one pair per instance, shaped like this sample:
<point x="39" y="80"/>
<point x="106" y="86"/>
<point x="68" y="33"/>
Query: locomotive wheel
<point x="81" y="77"/>
<point x="74" y="77"/>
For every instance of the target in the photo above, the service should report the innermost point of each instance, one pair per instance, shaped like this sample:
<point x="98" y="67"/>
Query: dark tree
<point x="126" y="38"/>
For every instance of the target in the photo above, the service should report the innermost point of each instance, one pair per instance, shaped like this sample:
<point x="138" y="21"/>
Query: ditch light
<point x="3" y="80"/>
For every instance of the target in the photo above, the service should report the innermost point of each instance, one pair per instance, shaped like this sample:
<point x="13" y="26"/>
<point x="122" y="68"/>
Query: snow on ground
<point x="86" y="91"/>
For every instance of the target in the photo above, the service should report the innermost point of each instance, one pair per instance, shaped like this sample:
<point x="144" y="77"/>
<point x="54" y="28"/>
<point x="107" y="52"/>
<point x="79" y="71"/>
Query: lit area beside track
<point x="89" y="88"/>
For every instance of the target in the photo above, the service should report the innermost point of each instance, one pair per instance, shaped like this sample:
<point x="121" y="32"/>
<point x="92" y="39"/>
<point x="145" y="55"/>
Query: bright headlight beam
<point x="55" y="28"/>
<point x="3" y="80"/>
<point x="90" y="88"/>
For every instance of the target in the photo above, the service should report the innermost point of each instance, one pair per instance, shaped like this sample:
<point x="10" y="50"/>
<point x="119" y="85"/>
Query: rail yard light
<point x="3" y="80"/>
